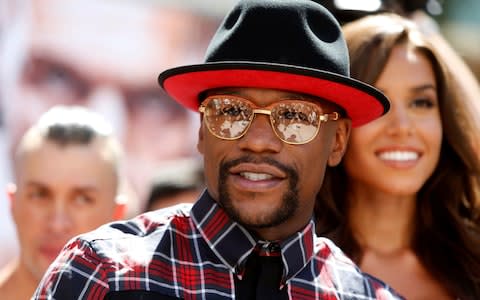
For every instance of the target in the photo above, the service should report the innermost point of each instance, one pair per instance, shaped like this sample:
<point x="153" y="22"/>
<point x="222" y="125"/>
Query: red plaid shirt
<point x="196" y="252"/>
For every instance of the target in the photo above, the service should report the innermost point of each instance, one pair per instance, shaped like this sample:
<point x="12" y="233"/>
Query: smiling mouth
<point x="256" y="176"/>
<point x="400" y="156"/>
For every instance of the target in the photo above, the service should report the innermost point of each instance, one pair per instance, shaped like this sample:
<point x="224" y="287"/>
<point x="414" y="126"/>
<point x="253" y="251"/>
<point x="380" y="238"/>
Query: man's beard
<point x="289" y="203"/>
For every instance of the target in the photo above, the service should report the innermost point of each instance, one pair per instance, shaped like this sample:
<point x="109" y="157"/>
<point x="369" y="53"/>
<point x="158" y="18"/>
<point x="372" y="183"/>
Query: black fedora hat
<point x="293" y="45"/>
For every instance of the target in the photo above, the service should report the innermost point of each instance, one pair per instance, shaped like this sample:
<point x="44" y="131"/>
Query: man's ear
<point x="11" y="190"/>
<point x="200" y="143"/>
<point x="120" y="209"/>
<point x="339" y="146"/>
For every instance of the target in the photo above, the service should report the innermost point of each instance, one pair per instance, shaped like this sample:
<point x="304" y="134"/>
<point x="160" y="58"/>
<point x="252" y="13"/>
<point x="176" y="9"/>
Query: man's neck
<point x="18" y="283"/>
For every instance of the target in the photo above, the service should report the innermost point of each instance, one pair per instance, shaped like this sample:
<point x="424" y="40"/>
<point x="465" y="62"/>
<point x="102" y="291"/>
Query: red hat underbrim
<point x="362" y="102"/>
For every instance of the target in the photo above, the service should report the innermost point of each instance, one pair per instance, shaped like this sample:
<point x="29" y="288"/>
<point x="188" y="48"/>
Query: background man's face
<point x="107" y="55"/>
<point x="56" y="201"/>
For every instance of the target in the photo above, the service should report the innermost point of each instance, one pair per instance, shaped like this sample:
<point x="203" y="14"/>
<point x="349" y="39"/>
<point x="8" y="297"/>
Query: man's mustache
<point x="226" y="166"/>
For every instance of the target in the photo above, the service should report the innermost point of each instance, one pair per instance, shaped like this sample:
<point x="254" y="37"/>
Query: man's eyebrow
<point x="52" y="60"/>
<point x="39" y="63"/>
<point x="287" y="95"/>
<point x="225" y="91"/>
<point x="35" y="183"/>
<point x="86" y="189"/>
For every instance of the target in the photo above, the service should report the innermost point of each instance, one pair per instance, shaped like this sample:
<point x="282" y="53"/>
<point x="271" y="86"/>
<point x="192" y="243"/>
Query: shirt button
<point x="274" y="247"/>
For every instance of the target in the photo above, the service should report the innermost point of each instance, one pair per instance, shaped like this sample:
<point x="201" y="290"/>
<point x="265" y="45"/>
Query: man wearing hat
<point x="277" y="105"/>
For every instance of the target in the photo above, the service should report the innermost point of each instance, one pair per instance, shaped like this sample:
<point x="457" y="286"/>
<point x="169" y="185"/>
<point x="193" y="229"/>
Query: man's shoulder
<point x="325" y="249"/>
<point x="119" y="256"/>
<point x="143" y="225"/>
<point x="120" y="241"/>
<point x="333" y="270"/>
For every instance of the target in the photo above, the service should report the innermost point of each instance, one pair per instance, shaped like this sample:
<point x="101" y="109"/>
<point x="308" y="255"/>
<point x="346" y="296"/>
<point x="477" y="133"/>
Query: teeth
<point x="255" y="176"/>
<point x="399" y="155"/>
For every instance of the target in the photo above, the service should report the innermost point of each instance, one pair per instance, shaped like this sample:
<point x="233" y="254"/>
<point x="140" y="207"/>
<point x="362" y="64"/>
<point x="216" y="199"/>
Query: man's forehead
<point x="40" y="153"/>
<point x="282" y="94"/>
<point x="46" y="184"/>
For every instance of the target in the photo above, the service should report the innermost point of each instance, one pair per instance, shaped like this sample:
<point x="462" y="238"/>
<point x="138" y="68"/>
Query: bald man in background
<point x="68" y="180"/>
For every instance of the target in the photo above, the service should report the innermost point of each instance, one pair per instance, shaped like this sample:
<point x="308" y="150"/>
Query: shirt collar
<point x="232" y="243"/>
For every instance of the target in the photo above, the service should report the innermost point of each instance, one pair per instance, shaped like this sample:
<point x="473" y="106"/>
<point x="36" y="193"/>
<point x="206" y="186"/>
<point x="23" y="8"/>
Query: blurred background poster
<point x="105" y="55"/>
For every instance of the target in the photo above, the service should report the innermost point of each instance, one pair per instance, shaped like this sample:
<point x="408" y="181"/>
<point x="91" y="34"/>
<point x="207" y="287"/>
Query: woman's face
<point x="397" y="153"/>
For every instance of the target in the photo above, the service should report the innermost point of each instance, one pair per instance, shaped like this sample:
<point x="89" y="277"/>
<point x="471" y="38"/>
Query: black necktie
<point x="262" y="276"/>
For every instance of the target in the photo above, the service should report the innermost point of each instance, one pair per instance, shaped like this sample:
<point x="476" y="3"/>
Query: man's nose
<point x="59" y="220"/>
<point x="260" y="136"/>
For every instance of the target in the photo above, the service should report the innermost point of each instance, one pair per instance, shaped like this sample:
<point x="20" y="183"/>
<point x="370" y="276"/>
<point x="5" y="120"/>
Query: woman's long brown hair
<point x="447" y="236"/>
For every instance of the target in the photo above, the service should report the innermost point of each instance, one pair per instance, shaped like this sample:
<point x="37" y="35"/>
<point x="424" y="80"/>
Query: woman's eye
<point x="423" y="103"/>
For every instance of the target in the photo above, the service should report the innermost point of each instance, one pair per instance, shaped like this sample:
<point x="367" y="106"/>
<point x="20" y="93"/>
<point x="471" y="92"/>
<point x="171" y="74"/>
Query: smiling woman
<point x="404" y="202"/>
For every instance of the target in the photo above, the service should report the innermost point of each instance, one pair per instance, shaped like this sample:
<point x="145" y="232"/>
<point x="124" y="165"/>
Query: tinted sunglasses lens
<point x="296" y="122"/>
<point x="227" y="117"/>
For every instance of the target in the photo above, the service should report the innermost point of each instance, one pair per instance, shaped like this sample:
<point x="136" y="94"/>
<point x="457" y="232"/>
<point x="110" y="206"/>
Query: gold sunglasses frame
<point x="323" y="118"/>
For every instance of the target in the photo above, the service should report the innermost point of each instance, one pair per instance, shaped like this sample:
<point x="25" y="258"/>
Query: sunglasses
<point x="294" y="121"/>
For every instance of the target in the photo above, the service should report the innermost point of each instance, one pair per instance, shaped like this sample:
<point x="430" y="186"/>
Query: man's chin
<point x="255" y="218"/>
<point x="257" y="210"/>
